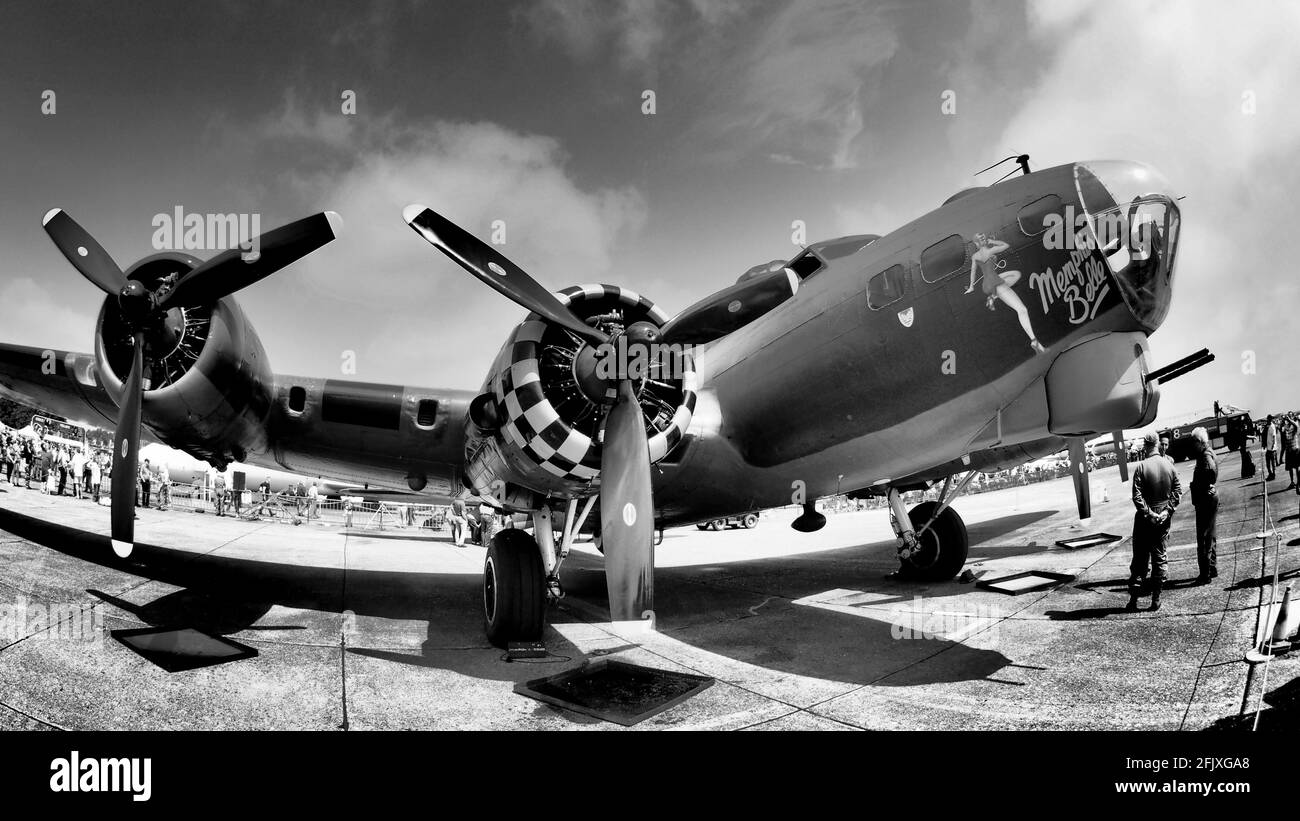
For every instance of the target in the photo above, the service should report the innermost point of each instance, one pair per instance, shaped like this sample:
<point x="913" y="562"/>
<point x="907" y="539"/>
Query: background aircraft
<point x="1008" y="323"/>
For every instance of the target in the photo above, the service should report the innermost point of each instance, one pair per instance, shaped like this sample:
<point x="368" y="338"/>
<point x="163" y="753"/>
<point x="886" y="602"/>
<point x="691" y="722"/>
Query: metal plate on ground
<point x="1026" y="582"/>
<point x="1095" y="540"/>
<point x="179" y="649"/>
<point x="615" y="691"/>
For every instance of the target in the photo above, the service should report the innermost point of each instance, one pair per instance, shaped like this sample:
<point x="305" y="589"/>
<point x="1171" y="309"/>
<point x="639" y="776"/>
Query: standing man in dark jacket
<point x="1156" y="493"/>
<point x="1206" y="500"/>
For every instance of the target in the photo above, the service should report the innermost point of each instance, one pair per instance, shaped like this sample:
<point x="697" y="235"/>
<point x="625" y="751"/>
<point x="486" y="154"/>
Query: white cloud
<point x="410" y="313"/>
<point x="639" y="34"/>
<point x="634" y="30"/>
<point x="800" y="91"/>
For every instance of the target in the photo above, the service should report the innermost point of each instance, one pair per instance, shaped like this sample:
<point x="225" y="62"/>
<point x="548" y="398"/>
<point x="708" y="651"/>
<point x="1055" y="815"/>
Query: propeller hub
<point x="587" y="367"/>
<point x="599" y="368"/>
<point x="135" y="301"/>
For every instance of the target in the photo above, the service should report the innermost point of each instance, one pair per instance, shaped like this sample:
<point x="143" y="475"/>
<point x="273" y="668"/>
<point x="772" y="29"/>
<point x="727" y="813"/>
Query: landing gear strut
<point x="933" y="542"/>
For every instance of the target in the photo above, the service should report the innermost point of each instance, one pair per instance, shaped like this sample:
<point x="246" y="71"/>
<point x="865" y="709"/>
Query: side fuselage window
<point x="1032" y="215"/>
<point x="943" y="259"/>
<point x="886" y="287"/>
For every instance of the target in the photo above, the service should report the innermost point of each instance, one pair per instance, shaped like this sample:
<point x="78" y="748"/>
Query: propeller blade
<point x="238" y="268"/>
<point x="1121" y="454"/>
<point x="500" y="274"/>
<point x="1079" y="472"/>
<point x="126" y="455"/>
<point x="718" y="315"/>
<point x="80" y="248"/>
<point x="627" y="510"/>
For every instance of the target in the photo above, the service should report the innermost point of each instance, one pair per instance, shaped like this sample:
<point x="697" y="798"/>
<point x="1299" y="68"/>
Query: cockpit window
<point x="943" y="259"/>
<point x="886" y="287"/>
<point x="805" y="265"/>
<point x="1134" y="221"/>
<point x="833" y="249"/>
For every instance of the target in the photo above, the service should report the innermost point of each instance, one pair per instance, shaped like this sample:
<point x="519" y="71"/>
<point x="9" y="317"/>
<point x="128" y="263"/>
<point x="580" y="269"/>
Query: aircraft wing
<point x="61" y="382"/>
<point x="369" y="438"/>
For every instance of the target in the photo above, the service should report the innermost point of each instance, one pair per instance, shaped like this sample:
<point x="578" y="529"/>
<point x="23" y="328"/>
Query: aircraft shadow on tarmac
<point x="1283" y="715"/>
<point x="224" y="595"/>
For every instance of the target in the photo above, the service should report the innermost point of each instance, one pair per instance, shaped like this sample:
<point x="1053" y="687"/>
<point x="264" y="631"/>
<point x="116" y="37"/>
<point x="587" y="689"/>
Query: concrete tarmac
<point x="801" y="631"/>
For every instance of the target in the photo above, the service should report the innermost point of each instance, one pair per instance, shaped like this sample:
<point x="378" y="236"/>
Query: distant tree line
<point x="18" y="416"/>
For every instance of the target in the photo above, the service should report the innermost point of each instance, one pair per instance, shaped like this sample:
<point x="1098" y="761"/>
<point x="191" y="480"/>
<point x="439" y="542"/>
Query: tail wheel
<point x="943" y="548"/>
<point x="749" y="521"/>
<point x="514" y="589"/>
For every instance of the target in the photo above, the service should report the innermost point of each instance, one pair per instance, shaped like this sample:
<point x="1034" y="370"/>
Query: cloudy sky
<point x="826" y="111"/>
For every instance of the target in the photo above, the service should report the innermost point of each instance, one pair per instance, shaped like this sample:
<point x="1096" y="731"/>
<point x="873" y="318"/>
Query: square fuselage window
<point x="886" y="287"/>
<point x="1032" y="215"/>
<point x="943" y="259"/>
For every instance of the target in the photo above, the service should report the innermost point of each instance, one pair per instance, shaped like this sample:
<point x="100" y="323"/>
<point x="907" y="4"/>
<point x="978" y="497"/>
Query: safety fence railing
<point x="294" y="509"/>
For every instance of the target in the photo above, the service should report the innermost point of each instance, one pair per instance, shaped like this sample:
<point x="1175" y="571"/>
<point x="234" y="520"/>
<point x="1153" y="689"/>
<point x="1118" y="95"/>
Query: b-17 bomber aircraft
<point x="1008" y="323"/>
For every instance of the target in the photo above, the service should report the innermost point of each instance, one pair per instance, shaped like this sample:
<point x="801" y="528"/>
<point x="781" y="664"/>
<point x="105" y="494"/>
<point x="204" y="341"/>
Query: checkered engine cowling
<point x="550" y="431"/>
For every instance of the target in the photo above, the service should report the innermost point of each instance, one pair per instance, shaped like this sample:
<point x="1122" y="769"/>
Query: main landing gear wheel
<point x="943" y="548"/>
<point x="514" y="589"/>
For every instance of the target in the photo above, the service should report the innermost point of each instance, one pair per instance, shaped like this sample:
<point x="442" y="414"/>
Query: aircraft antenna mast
<point x="1021" y="159"/>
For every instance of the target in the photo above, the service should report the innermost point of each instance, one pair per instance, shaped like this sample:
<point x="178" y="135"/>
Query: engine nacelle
<point x="208" y="385"/>
<point x="539" y="434"/>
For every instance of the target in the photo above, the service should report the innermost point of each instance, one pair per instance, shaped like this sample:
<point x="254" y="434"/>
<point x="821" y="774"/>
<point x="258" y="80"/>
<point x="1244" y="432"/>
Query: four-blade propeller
<point x="145" y="311"/>
<point x="626" y="506"/>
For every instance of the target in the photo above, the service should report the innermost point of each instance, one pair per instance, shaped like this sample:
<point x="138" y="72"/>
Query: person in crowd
<point x="146" y="482"/>
<point x="458" y="522"/>
<point x="44" y="463"/>
<point x="89" y="456"/>
<point x="94" y="475"/>
<point x="313" y="499"/>
<point x="77" y="467"/>
<point x="1156" y="493"/>
<point x="219" y="493"/>
<point x="487" y="517"/>
<point x="1163" y="449"/>
<point x="1205" y="498"/>
<point x="1289" y="455"/>
<point x="164" y="486"/>
<point x="8" y="456"/>
<point x="61" y="465"/>
<point x="264" y="494"/>
<point x="1268" y="439"/>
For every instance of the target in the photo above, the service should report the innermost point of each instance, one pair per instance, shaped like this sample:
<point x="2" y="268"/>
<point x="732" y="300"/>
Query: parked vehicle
<point x="746" y="521"/>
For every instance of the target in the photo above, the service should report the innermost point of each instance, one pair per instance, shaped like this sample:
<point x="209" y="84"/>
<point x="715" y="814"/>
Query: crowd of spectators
<point x="55" y="468"/>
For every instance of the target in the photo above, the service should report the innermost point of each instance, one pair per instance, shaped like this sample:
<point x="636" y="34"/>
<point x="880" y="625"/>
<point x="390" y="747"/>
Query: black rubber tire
<point x="716" y="525"/>
<point x="944" y="546"/>
<point x="702" y="526"/>
<point x="514" y="589"/>
<point x="749" y="521"/>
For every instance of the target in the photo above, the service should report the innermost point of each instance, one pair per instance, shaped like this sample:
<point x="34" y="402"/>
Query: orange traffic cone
<point x="1277" y="640"/>
<point x="1282" y="628"/>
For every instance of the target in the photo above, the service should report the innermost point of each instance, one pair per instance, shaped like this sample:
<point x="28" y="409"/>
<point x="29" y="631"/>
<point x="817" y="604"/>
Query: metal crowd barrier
<point x="290" y="509"/>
